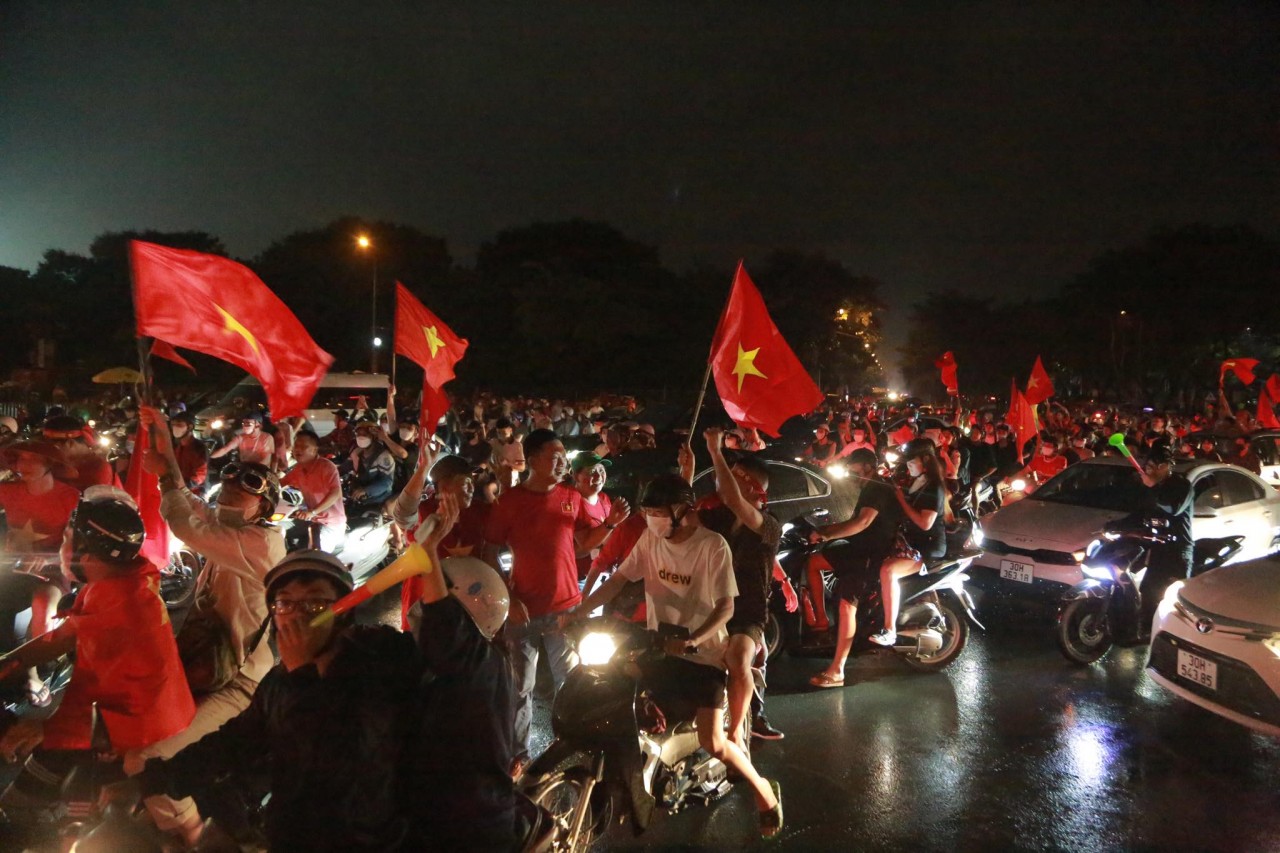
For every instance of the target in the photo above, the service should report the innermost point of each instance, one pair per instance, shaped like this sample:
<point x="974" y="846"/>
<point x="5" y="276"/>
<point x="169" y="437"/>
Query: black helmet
<point x="108" y="528"/>
<point x="59" y="427"/>
<point x="1160" y="454"/>
<point x="256" y="479"/>
<point x="310" y="562"/>
<point x="862" y="456"/>
<point x="919" y="447"/>
<point x="667" y="490"/>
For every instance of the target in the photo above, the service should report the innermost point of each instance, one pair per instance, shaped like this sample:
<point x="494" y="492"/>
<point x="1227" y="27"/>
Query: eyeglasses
<point x="309" y="606"/>
<point x="248" y="479"/>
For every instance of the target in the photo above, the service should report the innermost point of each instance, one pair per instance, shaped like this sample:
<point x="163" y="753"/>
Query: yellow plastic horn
<point x="414" y="561"/>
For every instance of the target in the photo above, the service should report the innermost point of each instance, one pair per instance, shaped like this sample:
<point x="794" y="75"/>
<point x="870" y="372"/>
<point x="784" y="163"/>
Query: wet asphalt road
<point x="1011" y="749"/>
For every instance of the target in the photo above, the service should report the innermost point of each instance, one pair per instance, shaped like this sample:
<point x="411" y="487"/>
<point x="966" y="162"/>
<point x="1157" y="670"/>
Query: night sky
<point x="989" y="147"/>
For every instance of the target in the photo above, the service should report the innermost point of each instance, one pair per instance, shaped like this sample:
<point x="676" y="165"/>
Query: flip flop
<point x="771" y="821"/>
<point x="823" y="679"/>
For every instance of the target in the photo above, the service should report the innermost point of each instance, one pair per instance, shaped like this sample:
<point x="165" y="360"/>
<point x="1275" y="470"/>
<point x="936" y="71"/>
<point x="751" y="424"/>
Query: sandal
<point x="824" y="679"/>
<point x="771" y="820"/>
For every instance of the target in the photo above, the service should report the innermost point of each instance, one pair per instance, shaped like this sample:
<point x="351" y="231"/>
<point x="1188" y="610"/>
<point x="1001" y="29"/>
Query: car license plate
<point x="1011" y="571"/>
<point x="1197" y="670"/>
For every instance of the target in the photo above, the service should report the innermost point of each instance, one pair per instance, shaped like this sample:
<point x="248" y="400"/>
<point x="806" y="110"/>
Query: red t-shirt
<point x="597" y="513"/>
<point x="539" y="528"/>
<point x="126" y="661"/>
<point x="36" y="522"/>
<point x="464" y="540"/>
<point x="91" y="470"/>
<point x="317" y="480"/>
<point x="1047" y="466"/>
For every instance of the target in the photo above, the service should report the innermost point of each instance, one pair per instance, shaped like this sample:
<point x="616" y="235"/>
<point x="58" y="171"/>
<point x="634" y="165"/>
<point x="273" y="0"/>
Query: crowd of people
<point x="414" y="735"/>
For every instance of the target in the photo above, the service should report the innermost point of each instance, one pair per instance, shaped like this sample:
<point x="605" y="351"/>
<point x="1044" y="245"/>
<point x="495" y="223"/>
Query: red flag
<point x="1039" y="386"/>
<point x="947" y="364"/>
<point x="760" y="380"/>
<point x="145" y="490"/>
<point x="435" y="403"/>
<point x="424" y="338"/>
<point x="162" y="350"/>
<point x="1021" y="418"/>
<point x="219" y="307"/>
<point x="1266" y="411"/>
<point x="1241" y="367"/>
<point x="1273" y="387"/>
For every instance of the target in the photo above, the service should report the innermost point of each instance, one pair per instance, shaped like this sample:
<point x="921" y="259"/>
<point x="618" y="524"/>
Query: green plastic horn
<point x="1117" y="441"/>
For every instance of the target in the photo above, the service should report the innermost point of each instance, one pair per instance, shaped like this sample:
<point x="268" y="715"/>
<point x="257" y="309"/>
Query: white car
<point x="1216" y="643"/>
<point x="1033" y="548"/>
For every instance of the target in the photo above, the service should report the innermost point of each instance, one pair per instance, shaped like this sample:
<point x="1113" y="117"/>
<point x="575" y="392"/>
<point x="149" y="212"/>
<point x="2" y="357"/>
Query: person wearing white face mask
<point x="1045" y="464"/>
<point x="373" y="467"/>
<point x="239" y="548"/>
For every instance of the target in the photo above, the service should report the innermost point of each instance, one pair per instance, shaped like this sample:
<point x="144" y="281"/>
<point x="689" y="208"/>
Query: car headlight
<point x="1100" y="573"/>
<point x="1273" y="644"/>
<point x="838" y="472"/>
<point x="596" y="649"/>
<point x="1171" y="594"/>
<point x="1078" y="556"/>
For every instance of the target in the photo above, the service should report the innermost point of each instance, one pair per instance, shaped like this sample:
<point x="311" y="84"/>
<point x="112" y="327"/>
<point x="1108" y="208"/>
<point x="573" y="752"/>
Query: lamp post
<point x="367" y="246"/>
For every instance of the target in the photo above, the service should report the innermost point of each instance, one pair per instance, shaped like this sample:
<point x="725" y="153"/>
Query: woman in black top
<point x="924" y="508"/>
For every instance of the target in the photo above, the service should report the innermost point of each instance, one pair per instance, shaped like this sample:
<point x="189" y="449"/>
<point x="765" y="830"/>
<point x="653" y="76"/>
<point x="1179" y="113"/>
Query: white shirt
<point x="682" y="583"/>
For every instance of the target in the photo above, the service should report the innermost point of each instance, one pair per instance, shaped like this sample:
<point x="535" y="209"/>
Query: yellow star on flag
<point x="433" y="339"/>
<point x="233" y="325"/>
<point x="746" y="365"/>
<point x="1032" y="382"/>
<point x="25" y="537"/>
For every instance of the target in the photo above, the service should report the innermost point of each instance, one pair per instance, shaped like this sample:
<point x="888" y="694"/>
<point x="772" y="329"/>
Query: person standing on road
<point x="545" y="523"/>
<point x="1171" y="498"/>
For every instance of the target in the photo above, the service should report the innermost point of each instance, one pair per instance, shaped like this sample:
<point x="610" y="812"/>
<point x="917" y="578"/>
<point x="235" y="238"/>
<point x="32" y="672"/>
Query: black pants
<point x="1168" y="563"/>
<point x="16" y="590"/>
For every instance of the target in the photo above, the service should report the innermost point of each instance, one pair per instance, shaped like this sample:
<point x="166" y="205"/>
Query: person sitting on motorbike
<point x="1171" y="498"/>
<point x="924" y="533"/>
<point x="193" y="456"/>
<point x="126" y="660"/>
<point x="252" y="444"/>
<point x="88" y="466"/>
<point x="823" y="448"/>
<point x="858" y="440"/>
<point x="1208" y="450"/>
<point x="1046" y="464"/>
<point x="321" y="486"/>
<point x="908" y="431"/>
<point x="372" y="467"/>
<point x="689" y="582"/>
<point x="37" y="508"/>
<point x="223" y="660"/>
<point x="870" y="533"/>
<point x="451" y="476"/>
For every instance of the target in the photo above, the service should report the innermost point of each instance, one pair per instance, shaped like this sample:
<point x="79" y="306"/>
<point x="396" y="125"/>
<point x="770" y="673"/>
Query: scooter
<point x="933" y="621"/>
<point x="618" y="752"/>
<point x="1106" y="607"/>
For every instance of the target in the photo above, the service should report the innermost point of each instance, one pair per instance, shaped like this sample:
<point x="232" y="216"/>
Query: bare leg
<point x="847" y="626"/>
<point x="817" y="596"/>
<point x="711" y="737"/>
<point x="741" y="651"/>
<point x="890" y="571"/>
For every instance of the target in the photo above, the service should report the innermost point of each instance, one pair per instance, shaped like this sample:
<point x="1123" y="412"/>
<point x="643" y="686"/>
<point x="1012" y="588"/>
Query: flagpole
<point x="697" y="408"/>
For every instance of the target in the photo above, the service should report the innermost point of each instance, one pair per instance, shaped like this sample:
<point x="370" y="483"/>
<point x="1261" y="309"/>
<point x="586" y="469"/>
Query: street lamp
<point x="366" y="245"/>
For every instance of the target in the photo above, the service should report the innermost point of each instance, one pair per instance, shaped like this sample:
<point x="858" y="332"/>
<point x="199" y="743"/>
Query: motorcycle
<point x="1105" y="608"/>
<point x="933" y="621"/>
<point x="617" y="753"/>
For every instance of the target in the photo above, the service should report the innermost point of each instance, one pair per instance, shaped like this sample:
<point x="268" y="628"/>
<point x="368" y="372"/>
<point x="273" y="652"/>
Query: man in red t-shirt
<point x="321" y="486"/>
<point x="193" y="456"/>
<point x="589" y="477"/>
<point x="545" y="524"/>
<point x="126" y="659"/>
<point x="1045" y="464"/>
<point x="452" y="476"/>
<point x="88" y="467"/>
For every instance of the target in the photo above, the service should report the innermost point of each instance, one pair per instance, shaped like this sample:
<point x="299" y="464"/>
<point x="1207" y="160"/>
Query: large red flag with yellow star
<point x="760" y="380"/>
<point x="423" y="337"/>
<point x="218" y="307"/>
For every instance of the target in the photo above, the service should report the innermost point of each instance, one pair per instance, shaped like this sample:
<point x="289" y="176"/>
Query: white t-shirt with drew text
<point x="683" y="582"/>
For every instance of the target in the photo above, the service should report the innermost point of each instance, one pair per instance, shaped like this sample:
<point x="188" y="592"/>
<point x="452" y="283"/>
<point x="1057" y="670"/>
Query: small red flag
<point x="760" y="380"/>
<point x="1241" y="367"/>
<point x="423" y="337"/>
<point x="162" y="350"/>
<point x="144" y="488"/>
<point x="1021" y="418"/>
<point x="1039" y="386"/>
<point x="1273" y="387"/>
<point x="947" y="365"/>
<point x="1266" y="411"/>
<point x="219" y="307"/>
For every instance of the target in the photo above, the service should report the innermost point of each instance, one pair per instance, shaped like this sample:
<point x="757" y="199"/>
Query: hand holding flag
<point x="1241" y="367"/>
<point x="947" y="365"/>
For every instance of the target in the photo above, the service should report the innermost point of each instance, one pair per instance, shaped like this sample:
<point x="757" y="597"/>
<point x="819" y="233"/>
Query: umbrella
<point x="118" y="375"/>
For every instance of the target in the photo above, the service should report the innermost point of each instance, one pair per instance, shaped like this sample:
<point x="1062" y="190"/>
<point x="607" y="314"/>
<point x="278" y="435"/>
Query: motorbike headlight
<point x="1018" y="485"/>
<point x="104" y="441"/>
<point x="1092" y="547"/>
<point x="596" y="649"/>
<point x="1098" y="573"/>
<point x="977" y="537"/>
<point x="891" y="456"/>
<point x="838" y="472"/>
<point x="217" y="423"/>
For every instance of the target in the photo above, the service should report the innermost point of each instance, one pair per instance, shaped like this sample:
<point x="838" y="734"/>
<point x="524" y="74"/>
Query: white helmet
<point x="481" y="591"/>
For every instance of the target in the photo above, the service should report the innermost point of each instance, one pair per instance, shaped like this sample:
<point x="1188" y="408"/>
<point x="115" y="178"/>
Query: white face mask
<point x="406" y="435"/>
<point x="659" y="525"/>
<point x="233" y="516"/>
<point x="363" y="441"/>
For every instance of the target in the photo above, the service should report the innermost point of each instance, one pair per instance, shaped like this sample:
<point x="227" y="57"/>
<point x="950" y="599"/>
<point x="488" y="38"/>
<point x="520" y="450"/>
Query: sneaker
<point x="884" y="637"/>
<point x="760" y="728"/>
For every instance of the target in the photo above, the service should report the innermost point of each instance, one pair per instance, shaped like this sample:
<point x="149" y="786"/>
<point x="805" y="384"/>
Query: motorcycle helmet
<point x="256" y="479"/>
<point x="480" y="591"/>
<point x="108" y="528"/>
<point x="918" y="447"/>
<point x="863" y="456"/>
<point x="63" y="428"/>
<point x="311" y="562"/>
<point x="666" y="491"/>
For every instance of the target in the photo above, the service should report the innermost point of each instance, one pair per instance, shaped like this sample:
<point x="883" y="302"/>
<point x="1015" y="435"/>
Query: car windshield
<point x="1111" y="487"/>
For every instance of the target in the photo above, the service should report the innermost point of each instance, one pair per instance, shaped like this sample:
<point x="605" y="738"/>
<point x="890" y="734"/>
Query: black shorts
<point x="754" y="630"/>
<point x="698" y="684"/>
